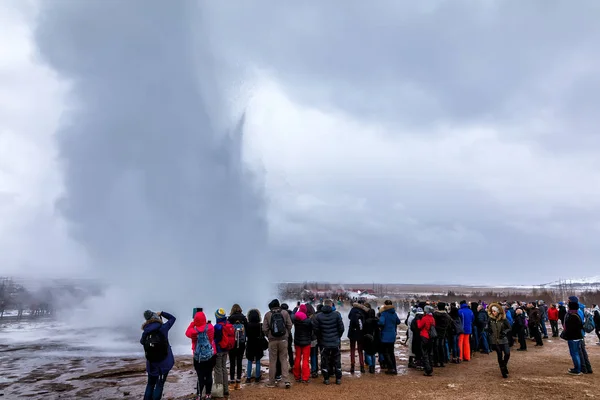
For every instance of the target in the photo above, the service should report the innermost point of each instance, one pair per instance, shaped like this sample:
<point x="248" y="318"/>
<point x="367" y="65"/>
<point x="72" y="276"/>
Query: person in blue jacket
<point x="389" y="322"/>
<point x="586" y="367"/>
<point x="464" y="343"/>
<point x="157" y="370"/>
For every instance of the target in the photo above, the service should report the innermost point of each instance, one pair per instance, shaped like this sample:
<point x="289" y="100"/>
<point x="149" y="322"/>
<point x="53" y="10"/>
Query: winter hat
<point x="148" y="314"/>
<point x="274" y="304"/>
<point x="573" y="299"/>
<point x="428" y="310"/>
<point x="560" y="303"/>
<point x="300" y="316"/>
<point x="284" y="306"/>
<point x="302" y="308"/>
<point x="441" y="306"/>
<point x="573" y="305"/>
<point x="419" y="310"/>
<point x="494" y="308"/>
<point x="220" y="314"/>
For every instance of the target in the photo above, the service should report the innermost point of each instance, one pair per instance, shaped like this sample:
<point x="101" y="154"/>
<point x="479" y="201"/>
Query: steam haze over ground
<point x="381" y="142"/>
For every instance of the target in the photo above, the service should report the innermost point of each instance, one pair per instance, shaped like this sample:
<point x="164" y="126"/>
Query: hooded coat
<point x="371" y="334"/>
<point x="164" y="366"/>
<point x="254" y="336"/>
<point x="357" y="317"/>
<point x="467" y="317"/>
<point x="198" y="324"/>
<point x="498" y="326"/>
<point x="389" y="322"/>
<point x="329" y="327"/>
<point x="302" y="327"/>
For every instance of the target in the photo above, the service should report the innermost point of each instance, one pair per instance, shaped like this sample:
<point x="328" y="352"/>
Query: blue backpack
<point x="204" y="349"/>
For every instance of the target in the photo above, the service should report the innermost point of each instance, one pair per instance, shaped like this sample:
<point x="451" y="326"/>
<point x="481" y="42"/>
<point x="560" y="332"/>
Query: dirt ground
<point x="540" y="373"/>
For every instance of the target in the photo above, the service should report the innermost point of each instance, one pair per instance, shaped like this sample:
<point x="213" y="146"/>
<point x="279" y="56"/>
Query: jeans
<point x="455" y="351"/>
<point x="574" y="351"/>
<point x="331" y="360"/>
<point x="249" y="369"/>
<point x="204" y="370"/>
<point x="554" y="326"/>
<point x="221" y="371"/>
<point x="370" y="360"/>
<point x="314" y="359"/>
<point x="475" y="339"/>
<point x="353" y="346"/>
<point x="235" y="363"/>
<point x="544" y="329"/>
<point x="301" y="368"/>
<point x="154" y="388"/>
<point x="484" y="341"/>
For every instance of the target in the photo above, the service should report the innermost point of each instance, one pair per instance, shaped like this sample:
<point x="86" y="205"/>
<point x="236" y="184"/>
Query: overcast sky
<point x="393" y="142"/>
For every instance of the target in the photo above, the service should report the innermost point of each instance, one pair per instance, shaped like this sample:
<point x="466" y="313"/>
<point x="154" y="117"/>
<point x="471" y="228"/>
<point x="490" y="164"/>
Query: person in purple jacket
<point x="159" y="356"/>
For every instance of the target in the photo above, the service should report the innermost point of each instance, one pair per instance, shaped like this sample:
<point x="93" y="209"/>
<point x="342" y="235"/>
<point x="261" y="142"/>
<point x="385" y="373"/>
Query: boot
<point x="362" y="369"/>
<point x="352" y="369"/>
<point x="237" y="385"/>
<point x="371" y="369"/>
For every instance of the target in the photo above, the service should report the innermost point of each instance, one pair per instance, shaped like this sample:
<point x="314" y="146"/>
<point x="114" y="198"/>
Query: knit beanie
<point x="419" y="310"/>
<point x="573" y="299"/>
<point x="573" y="305"/>
<point x="428" y="310"/>
<point x="220" y="314"/>
<point x="274" y="304"/>
<point x="148" y="315"/>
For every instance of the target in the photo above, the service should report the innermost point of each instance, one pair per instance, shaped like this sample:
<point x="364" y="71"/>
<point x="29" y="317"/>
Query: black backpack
<point x="356" y="323"/>
<point x="156" y="346"/>
<point x="278" y="328"/>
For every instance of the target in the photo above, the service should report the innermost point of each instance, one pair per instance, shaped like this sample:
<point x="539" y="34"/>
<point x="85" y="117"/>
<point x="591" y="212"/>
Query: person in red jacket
<point x="204" y="369"/>
<point x="553" y="318"/>
<point x="424" y="324"/>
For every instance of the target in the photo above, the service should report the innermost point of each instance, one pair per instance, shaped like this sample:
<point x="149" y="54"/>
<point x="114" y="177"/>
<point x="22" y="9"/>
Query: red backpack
<point x="228" y="338"/>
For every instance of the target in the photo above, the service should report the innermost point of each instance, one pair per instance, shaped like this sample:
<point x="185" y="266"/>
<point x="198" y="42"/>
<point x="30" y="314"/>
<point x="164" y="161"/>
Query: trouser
<point x="426" y="347"/>
<point x="314" y="359"/>
<point x="483" y="341"/>
<point x="389" y="356"/>
<point x="439" y="350"/>
<point x="278" y="352"/>
<point x="544" y="329"/>
<point x="464" y="346"/>
<point x="455" y="351"/>
<point x="301" y="368"/>
<point x="331" y="360"/>
<point x="586" y="367"/>
<point x="522" y="339"/>
<point x="290" y="358"/>
<point x="221" y="371"/>
<point x="353" y="346"/>
<point x="474" y="339"/>
<point x="370" y="359"/>
<point x="249" y="369"/>
<point x="503" y="353"/>
<point x="204" y="370"/>
<point x="554" y="326"/>
<point x="235" y="363"/>
<point x="154" y="388"/>
<point x="537" y="335"/>
<point x="575" y="354"/>
<point x="416" y="346"/>
<point x="598" y="333"/>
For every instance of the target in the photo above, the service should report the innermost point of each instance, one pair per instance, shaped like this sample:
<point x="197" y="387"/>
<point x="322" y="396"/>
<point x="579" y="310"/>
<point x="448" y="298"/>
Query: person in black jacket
<point x="573" y="334"/>
<point x="482" y="322"/>
<point x="329" y="327"/>
<point x="302" y="340"/>
<point x="371" y="339"/>
<point x="520" y="326"/>
<point x="357" y="317"/>
<point x="442" y="326"/>
<point x="562" y="313"/>
<point x="240" y="324"/>
<point x="255" y="344"/>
